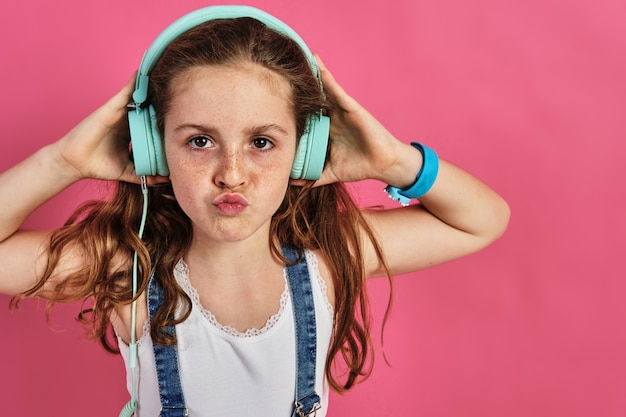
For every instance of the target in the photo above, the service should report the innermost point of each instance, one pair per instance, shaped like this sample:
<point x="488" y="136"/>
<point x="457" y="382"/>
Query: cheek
<point x="185" y="182"/>
<point x="182" y="168"/>
<point x="277" y="176"/>
<point x="183" y="193"/>
<point x="179" y="178"/>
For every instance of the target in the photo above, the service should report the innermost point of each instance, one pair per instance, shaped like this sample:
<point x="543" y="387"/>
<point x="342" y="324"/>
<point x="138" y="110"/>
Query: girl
<point x="234" y="240"/>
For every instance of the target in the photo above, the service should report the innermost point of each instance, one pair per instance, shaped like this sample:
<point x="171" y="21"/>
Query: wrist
<point x="55" y="162"/>
<point x="422" y="181"/>
<point x="406" y="166"/>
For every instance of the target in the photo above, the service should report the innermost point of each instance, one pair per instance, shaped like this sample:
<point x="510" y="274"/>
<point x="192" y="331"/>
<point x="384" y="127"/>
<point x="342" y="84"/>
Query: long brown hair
<point x="323" y="218"/>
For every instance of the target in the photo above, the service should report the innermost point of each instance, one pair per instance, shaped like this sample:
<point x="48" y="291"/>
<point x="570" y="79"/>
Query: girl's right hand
<point x="98" y="147"/>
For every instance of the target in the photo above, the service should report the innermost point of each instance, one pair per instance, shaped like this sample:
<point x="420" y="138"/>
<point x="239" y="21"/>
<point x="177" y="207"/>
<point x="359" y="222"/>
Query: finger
<point x="325" y="179"/>
<point x="302" y="183"/>
<point x="130" y="176"/>
<point x="120" y="100"/>
<point x="115" y="108"/>
<point x="298" y="183"/>
<point x="333" y="89"/>
<point x="154" y="180"/>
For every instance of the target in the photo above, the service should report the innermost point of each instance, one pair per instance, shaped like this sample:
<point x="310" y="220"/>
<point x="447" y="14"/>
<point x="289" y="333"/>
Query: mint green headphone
<point x="148" y="155"/>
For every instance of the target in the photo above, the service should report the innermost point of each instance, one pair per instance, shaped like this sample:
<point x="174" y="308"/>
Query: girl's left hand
<point x="361" y="147"/>
<point x="458" y="216"/>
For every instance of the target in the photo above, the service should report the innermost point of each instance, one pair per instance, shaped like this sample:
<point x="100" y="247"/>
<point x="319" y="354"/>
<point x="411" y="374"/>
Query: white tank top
<point x="227" y="373"/>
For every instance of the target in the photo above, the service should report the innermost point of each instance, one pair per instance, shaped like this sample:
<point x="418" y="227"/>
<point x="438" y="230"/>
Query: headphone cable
<point x="131" y="406"/>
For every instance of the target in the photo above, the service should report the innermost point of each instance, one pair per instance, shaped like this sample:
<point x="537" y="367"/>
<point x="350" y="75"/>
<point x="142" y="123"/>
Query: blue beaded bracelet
<point x="423" y="181"/>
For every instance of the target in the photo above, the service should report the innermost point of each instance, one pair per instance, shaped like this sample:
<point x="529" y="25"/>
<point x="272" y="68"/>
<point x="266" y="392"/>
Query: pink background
<point x="527" y="94"/>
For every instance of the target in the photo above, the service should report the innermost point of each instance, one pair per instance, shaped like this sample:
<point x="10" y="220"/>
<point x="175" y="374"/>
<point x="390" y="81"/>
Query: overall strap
<point x="307" y="401"/>
<point x="166" y="359"/>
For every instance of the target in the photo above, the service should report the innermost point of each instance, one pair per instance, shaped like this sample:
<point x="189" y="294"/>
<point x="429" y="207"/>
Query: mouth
<point x="230" y="204"/>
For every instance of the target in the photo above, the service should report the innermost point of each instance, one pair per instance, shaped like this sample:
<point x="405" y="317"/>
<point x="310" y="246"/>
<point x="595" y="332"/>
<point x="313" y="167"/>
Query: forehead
<point x="232" y="76"/>
<point x="231" y="92"/>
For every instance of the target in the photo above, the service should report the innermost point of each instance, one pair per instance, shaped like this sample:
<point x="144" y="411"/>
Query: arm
<point x="96" y="148"/>
<point x="458" y="216"/>
<point x="38" y="178"/>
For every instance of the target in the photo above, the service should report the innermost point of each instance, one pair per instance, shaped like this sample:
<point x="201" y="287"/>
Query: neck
<point x="230" y="260"/>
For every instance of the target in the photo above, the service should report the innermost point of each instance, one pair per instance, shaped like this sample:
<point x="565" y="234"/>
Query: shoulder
<point x="321" y="262"/>
<point x="121" y="319"/>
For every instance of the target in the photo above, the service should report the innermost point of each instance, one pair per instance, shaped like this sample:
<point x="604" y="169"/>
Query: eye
<point x="200" y="142"/>
<point x="262" y="143"/>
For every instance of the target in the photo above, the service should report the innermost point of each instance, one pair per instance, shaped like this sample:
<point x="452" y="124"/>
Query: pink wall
<point x="527" y="94"/>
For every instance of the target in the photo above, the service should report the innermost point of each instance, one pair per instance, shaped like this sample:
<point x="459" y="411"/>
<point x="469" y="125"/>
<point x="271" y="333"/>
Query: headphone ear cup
<point x="147" y="147"/>
<point x="311" y="152"/>
<point x="159" y="154"/>
<point x="140" y="140"/>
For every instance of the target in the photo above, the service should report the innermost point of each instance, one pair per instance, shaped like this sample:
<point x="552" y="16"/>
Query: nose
<point x="230" y="173"/>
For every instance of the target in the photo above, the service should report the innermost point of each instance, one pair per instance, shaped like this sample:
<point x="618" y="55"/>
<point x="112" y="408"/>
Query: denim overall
<point x="307" y="402"/>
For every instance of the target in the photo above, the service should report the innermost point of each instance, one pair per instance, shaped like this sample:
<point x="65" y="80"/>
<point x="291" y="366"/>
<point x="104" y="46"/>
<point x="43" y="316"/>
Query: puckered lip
<point x="231" y="199"/>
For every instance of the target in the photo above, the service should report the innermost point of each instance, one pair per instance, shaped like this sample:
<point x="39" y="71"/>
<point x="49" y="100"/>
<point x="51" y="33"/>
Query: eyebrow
<point x="270" y="127"/>
<point x="256" y="130"/>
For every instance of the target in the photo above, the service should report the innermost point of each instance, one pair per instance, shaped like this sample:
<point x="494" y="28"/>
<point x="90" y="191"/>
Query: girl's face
<point x="230" y="141"/>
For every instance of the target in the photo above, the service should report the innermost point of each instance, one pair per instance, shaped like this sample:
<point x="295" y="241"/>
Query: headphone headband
<point x="149" y="157"/>
<point x="198" y="17"/>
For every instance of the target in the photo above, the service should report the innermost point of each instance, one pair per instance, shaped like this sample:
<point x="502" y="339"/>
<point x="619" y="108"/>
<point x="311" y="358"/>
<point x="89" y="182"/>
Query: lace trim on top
<point x="145" y="332"/>
<point x="314" y="269"/>
<point x="181" y="272"/>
